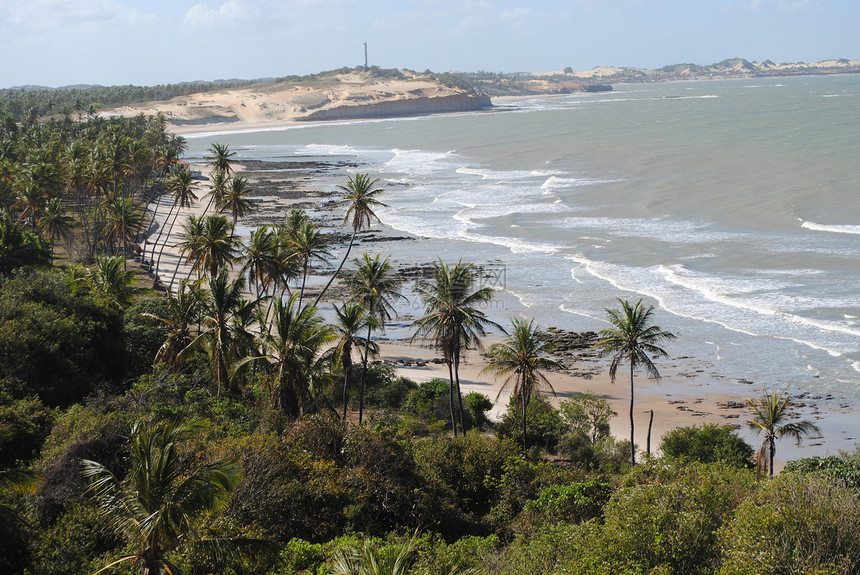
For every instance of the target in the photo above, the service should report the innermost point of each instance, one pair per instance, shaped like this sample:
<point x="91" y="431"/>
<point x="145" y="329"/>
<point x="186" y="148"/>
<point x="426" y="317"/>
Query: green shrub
<point x="795" y="524"/>
<point x="54" y="343"/>
<point x="24" y="426"/>
<point x="478" y="404"/>
<point x="587" y="415"/>
<point x="572" y="503"/>
<point x="544" y="424"/>
<point x="844" y="469"/>
<point x="429" y="400"/>
<point x="707" y="443"/>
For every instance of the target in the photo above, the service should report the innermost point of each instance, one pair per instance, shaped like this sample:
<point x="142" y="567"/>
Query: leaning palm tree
<point x="633" y="340"/>
<point x="220" y="158"/>
<point x="374" y="286"/>
<point x="770" y="417"/>
<point x="160" y="505"/>
<point x="523" y="357"/>
<point x="352" y="319"/>
<point x="453" y="319"/>
<point x="359" y="196"/>
<point x="181" y="188"/>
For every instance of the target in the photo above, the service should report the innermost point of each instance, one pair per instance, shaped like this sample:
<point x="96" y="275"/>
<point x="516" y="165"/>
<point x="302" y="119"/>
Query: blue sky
<point x="62" y="42"/>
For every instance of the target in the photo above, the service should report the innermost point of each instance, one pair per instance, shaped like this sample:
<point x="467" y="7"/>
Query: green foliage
<point x="572" y="503"/>
<point x="429" y="400"/>
<point x="385" y="389"/>
<point x="707" y="443"/>
<point x="143" y="337"/>
<point x="24" y="426"/>
<point x="843" y="470"/>
<point x="54" y="343"/>
<point x="75" y="543"/>
<point x="464" y="471"/>
<point x="795" y="524"/>
<point x="588" y="415"/>
<point x="544" y="424"/>
<point x="478" y="405"/>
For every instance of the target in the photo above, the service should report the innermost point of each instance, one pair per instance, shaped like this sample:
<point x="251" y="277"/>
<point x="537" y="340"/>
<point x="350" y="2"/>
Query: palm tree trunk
<point x="304" y="279"/>
<point x="632" y="444"/>
<point x="340" y="267"/>
<point x="525" y="401"/>
<point x="363" y="374"/>
<point x="346" y="370"/>
<point x="459" y="393"/>
<point x="772" y="453"/>
<point x="451" y="394"/>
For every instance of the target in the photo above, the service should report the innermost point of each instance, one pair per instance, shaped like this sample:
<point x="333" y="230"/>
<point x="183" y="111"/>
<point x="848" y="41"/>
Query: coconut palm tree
<point x="523" y="357"/>
<point x="224" y="314"/>
<point x="293" y="349"/>
<point x="235" y="199"/>
<point x="453" y="319"/>
<point x="54" y="223"/>
<point x="179" y="319"/>
<point x="771" y="413"/>
<point x="308" y="244"/>
<point x="208" y="244"/>
<point x="374" y="286"/>
<point x="352" y="318"/>
<point x="220" y="158"/>
<point x="217" y="190"/>
<point x="160" y="505"/>
<point x="262" y="259"/>
<point x="112" y="280"/>
<point x="19" y="247"/>
<point x="359" y="196"/>
<point x="632" y="339"/>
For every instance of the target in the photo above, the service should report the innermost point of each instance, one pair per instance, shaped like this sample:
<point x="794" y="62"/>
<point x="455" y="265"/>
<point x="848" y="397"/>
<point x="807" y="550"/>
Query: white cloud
<point x="63" y="14"/>
<point x="226" y="15"/>
<point x="781" y="6"/>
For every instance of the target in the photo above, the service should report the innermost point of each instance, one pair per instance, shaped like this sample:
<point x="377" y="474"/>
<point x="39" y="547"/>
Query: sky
<point x="147" y="42"/>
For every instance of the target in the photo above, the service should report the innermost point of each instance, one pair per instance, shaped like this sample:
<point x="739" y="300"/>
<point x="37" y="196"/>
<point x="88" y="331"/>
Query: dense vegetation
<point x="224" y="427"/>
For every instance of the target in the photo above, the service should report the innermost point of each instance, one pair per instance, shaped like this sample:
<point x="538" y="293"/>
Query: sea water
<point x="732" y="206"/>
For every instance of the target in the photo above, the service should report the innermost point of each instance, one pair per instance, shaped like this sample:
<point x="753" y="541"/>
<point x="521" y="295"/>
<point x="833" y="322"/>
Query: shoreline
<point x="682" y="398"/>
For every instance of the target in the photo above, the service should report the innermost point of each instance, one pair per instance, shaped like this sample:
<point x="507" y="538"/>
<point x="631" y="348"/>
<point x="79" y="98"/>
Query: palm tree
<point x="308" y="243"/>
<point x="360" y="199"/>
<point x="375" y="287"/>
<point x="19" y="247"/>
<point x="262" y="259"/>
<point x="235" y="199"/>
<point x="159" y="504"/>
<point x="113" y="281"/>
<point x="523" y="357"/>
<point x="179" y="318"/>
<point x="293" y="349"/>
<point x="352" y="318"/>
<point x="453" y="319"/>
<point x="217" y="190"/>
<point x="220" y="158"/>
<point x="632" y="339"/>
<point x="54" y="223"/>
<point x="208" y="244"/>
<point x="224" y="314"/>
<point x="770" y="415"/>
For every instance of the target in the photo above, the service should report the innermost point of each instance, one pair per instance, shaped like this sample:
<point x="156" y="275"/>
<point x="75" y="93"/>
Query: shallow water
<point x="732" y="206"/>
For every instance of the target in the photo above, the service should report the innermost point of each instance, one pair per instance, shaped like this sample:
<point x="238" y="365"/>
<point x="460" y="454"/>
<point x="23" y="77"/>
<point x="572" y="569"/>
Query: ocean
<point x="731" y="206"/>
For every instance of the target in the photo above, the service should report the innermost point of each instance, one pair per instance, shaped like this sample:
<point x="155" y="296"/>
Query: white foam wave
<point x="837" y="229"/>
